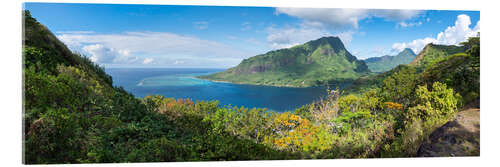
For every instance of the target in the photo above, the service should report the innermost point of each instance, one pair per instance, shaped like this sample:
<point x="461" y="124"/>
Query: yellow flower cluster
<point x="394" y="106"/>
<point x="287" y="120"/>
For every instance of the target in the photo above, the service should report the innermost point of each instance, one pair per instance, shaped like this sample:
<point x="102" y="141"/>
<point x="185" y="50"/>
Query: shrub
<point x="433" y="108"/>
<point x="399" y="87"/>
<point x="54" y="138"/>
<point x="440" y="102"/>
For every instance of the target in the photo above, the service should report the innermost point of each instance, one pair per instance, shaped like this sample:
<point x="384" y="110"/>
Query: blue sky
<point x="220" y="37"/>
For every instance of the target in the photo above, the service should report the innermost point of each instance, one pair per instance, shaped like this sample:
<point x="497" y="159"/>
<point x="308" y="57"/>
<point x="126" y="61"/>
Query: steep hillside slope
<point x="73" y="114"/>
<point x="427" y="61"/>
<point x="457" y="135"/>
<point x="38" y="36"/>
<point x="316" y="62"/>
<point x="432" y="52"/>
<point x="68" y="100"/>
<point x="386" y="63"/>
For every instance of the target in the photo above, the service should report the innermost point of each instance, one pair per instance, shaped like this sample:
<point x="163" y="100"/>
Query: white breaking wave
<point x="140" y="83"/>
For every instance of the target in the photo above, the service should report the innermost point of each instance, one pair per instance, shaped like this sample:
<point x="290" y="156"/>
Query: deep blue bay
<point x="182" y="83"/>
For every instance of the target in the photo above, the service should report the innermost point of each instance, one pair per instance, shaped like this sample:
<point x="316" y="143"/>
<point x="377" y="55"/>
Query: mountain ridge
<point x="388" y="62"/>
<point x="429" y="56"/>
<point x="432" y="52"/>
<point x="317" y="62"/>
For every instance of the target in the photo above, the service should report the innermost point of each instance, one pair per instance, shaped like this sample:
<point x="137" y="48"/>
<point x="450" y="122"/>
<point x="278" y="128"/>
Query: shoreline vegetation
<point x="280" y="86"/>
<point x="74" y="114"/>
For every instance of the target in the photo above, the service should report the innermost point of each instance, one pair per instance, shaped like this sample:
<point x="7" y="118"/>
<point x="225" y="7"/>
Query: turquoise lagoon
<point x="182" y="83"/>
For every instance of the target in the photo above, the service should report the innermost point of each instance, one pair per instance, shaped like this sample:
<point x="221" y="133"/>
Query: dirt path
<point x="459" y="137"/>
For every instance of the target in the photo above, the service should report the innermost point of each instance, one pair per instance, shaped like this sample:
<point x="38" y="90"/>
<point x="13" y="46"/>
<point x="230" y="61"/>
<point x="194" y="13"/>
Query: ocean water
<point x="181" y="83"/>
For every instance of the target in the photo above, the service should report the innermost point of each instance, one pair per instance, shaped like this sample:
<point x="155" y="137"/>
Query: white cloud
<point x="179" y="62"/>
<point x="453" y="35"/>
<point x="320" y="22"/>
<point x="101" y="54"/>
<point x="134" y="47"/>
<point x="253" y="41"/>
<point x="375" y="52"/>
<point x="415" y="45"/>
<point x="395" y="14"/>
<point x="75" y="32"/>
<point x="345" y="37"/>
<point x="344" y="18"/>
<point x="246" y="26"/>
<point x="323" y="16"/>
<point x="201" y="25"/>
<point x="147" y="61"/>
<point x="477" y="27"/>
<point x="380" y="51"/>
<point x="288" y="37"/>
<point x="291" y="36"/>
<point x="409" y="24"/>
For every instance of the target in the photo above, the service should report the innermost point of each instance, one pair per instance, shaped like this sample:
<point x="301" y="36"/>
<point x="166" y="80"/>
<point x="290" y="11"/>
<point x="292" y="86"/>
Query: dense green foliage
<point x="73" y="114"/>
<point x="37" y="35"/>
<point x="372" y="81"/>
<point x="431" y="52"/>
<point x="386" y="63"/>
<point x="460" y="71"/>
<point x="318" y="62"/>
<point x="432" y="63"/>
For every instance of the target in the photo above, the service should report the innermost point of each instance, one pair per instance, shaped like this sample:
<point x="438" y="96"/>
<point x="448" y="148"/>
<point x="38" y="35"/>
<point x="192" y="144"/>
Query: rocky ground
<point x="459" y="137"/>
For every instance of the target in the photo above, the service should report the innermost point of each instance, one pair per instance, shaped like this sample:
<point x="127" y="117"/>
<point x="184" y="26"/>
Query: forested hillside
<point x="73" y="114"/>
<point x="386" y="63"/>
<point x="315" y="63"/>
<point x="439" y="62"/>
<point x="431" y="53"/>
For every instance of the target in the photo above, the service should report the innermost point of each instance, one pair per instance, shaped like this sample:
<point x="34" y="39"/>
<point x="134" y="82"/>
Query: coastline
<point x="254" y="84"/>
<point x="279" y="86"/>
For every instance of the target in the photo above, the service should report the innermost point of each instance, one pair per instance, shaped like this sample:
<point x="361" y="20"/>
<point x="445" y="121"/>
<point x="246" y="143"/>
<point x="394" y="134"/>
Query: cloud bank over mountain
<point x="320" y="22"/>
<point x="144" y="47"/>
<point x="453" y="35"/>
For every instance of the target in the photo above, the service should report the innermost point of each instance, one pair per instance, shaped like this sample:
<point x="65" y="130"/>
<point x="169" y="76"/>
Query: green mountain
<point x="317" y="62"/>
<point x="386" y="63"/>
<point x="431" y="53"/>
<point x="428" y="60"/>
